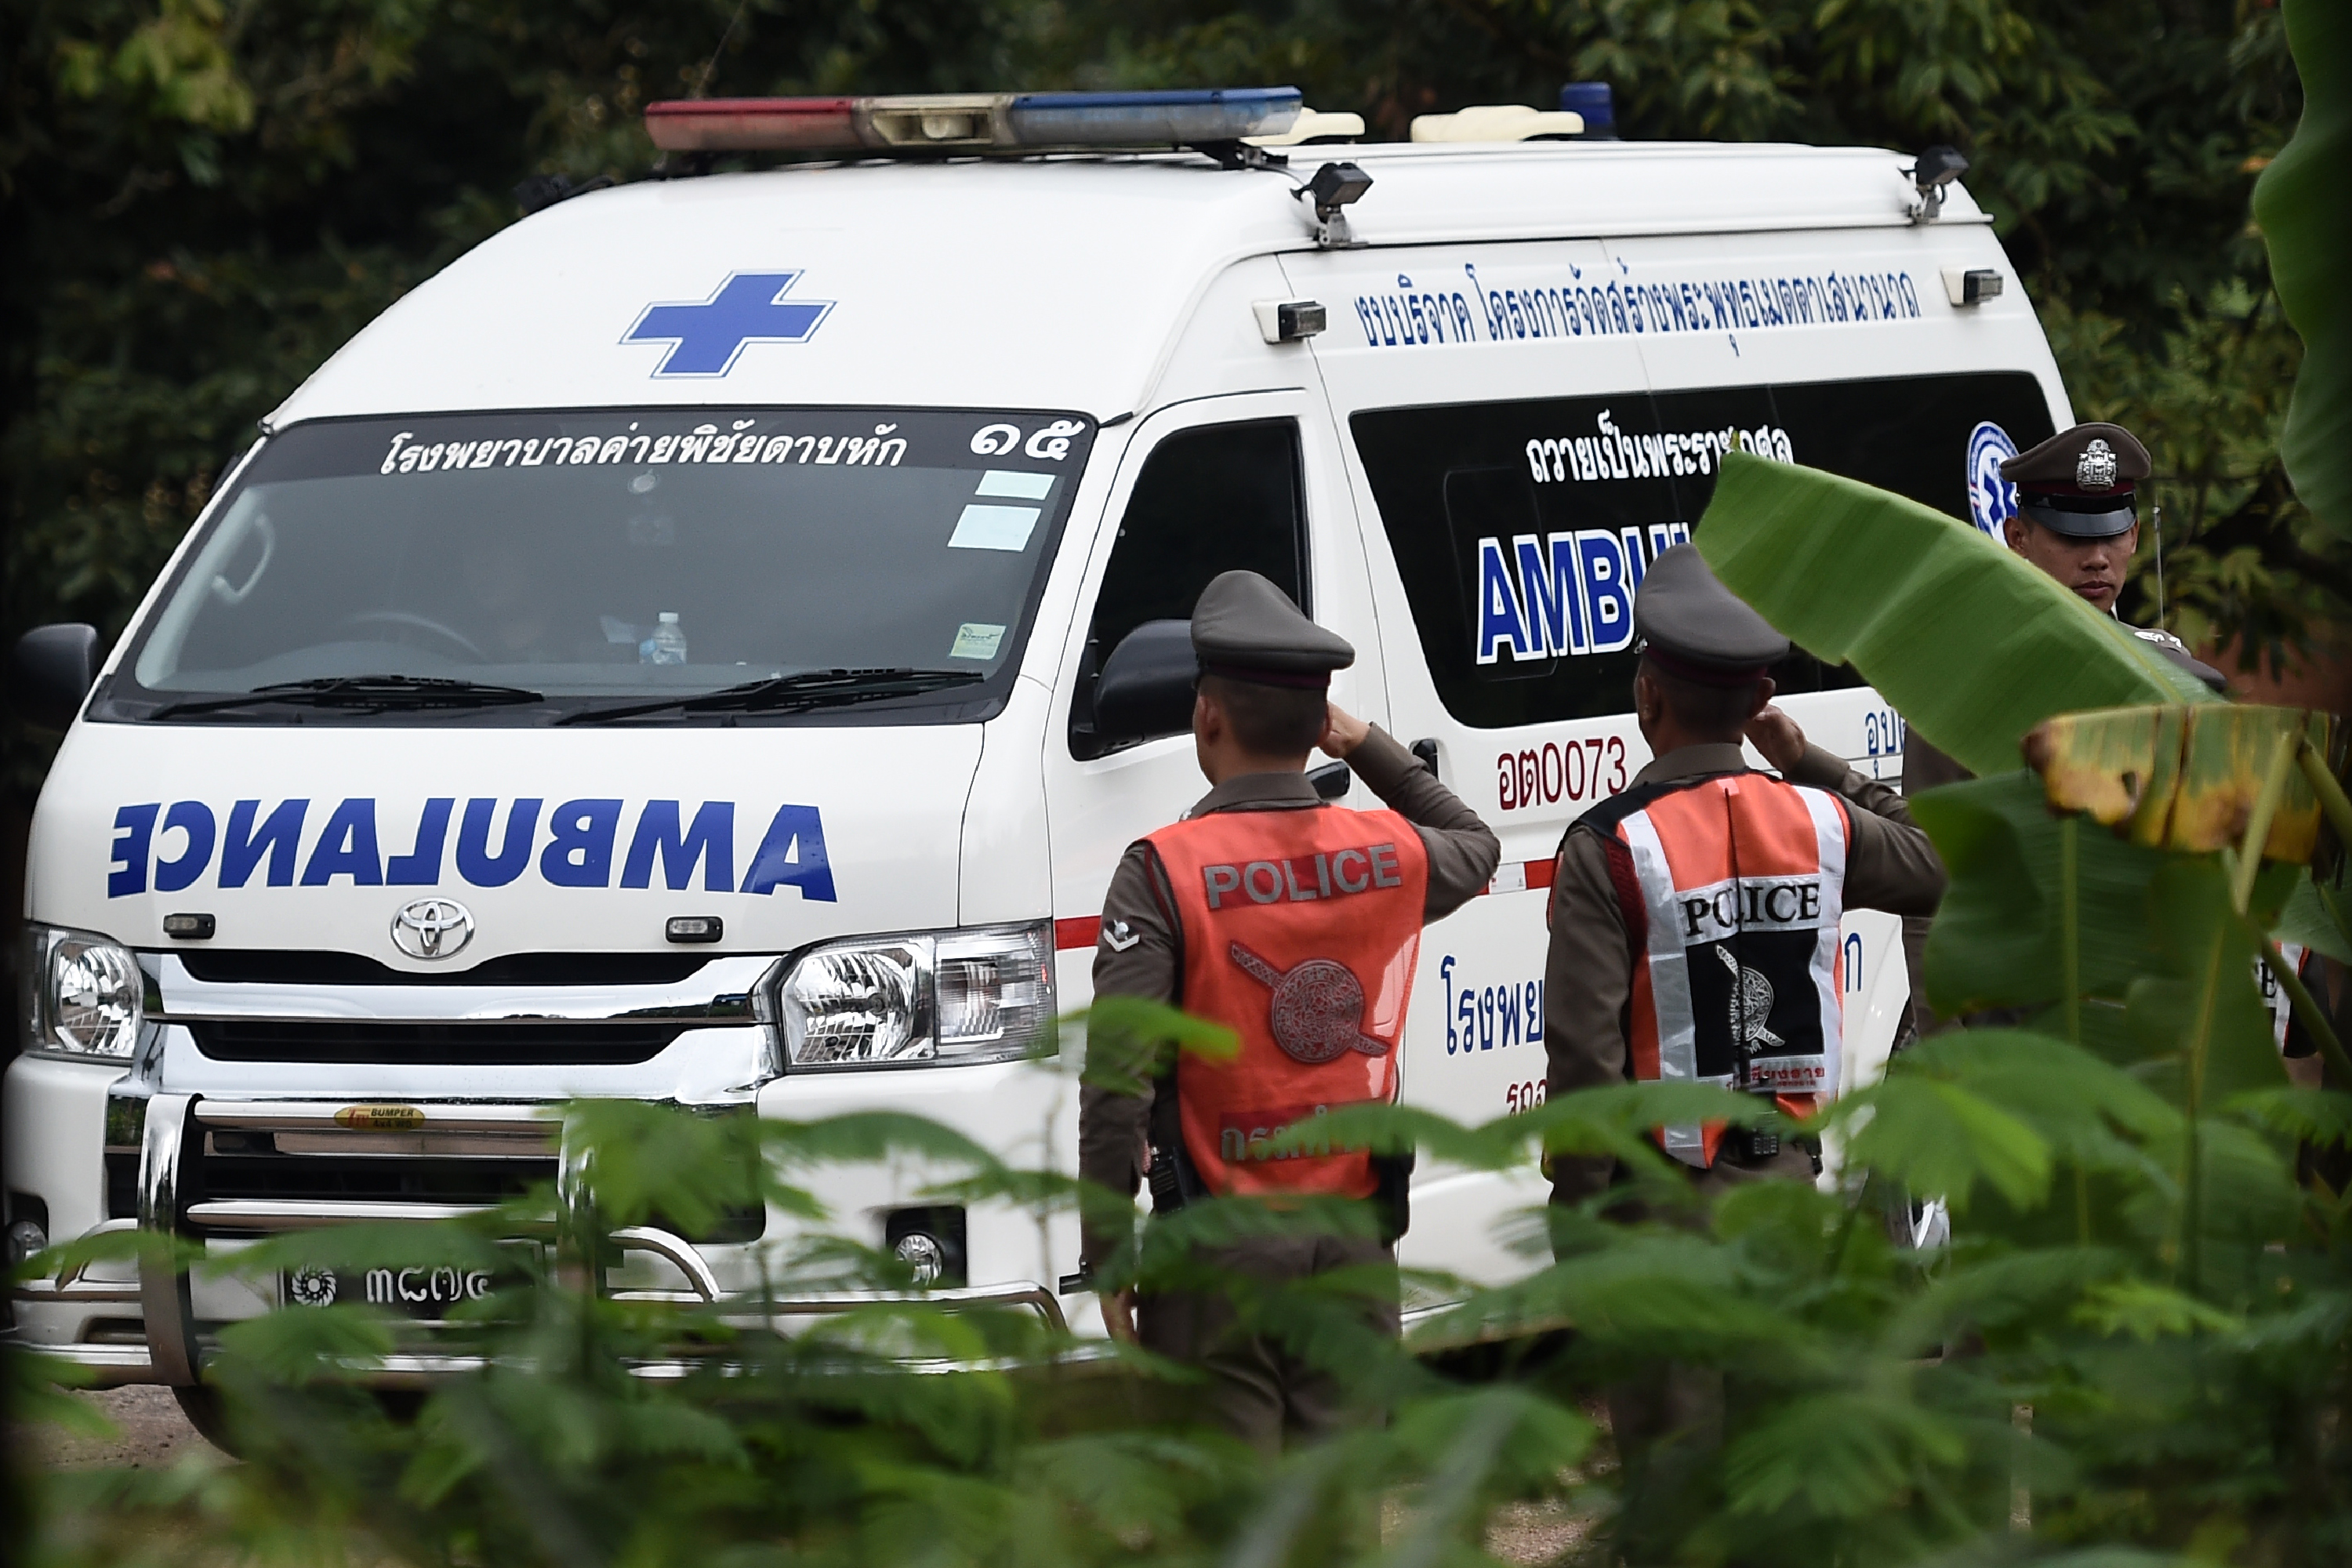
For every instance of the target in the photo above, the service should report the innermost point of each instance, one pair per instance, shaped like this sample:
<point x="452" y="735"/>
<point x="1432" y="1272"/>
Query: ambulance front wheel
<point x="203" y="1409"/>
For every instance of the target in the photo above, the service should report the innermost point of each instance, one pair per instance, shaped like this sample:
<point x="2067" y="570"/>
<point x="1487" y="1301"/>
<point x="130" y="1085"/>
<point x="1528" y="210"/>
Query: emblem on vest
<point x="2095" y="469"/>
<point x="1318" y="1010"/>
<point x="1752" y="1006"/>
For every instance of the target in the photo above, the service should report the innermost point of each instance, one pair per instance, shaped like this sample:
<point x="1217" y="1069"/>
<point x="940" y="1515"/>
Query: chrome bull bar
<point x="175" y="1124"/>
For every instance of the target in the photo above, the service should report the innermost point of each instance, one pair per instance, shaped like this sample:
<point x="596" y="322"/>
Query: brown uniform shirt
<point x="1924" y="768"/>
<point x="1588" y="975"/>
<point x="1138" y="915"/>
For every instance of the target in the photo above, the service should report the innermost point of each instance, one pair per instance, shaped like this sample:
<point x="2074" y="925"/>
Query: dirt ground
<point x="153" y="1433"/>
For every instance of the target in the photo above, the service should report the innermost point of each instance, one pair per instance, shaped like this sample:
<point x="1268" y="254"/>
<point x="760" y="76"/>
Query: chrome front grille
<point x="191" y="987"/>
<point x="258" y="966"/>
<point x="344" y="1014"/>
<point x="500" y="1044"/>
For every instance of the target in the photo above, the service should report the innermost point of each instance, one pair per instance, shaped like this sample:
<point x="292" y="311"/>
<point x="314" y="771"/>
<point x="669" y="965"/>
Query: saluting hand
<point x="1779" y="737"/>
<point x="1342" y="731"/>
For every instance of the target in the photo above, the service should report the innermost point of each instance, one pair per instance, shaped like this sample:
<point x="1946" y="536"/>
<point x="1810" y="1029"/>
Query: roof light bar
<point x="1034" y="122"/>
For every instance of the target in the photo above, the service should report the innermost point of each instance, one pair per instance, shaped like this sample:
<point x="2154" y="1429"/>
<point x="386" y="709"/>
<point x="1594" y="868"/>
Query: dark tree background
<point x="200" y="199"/>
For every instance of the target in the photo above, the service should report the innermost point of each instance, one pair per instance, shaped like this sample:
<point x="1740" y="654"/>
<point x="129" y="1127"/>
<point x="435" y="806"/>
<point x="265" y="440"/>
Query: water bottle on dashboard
<point x="667" y="645"/>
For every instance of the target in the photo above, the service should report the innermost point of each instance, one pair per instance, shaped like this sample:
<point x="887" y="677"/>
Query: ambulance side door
<point x="1206" y="486"/>
<point x="1505" y="598"/>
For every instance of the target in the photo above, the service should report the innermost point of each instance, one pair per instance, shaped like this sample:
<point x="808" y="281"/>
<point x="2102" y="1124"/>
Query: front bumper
<point x="160" y="1324"/>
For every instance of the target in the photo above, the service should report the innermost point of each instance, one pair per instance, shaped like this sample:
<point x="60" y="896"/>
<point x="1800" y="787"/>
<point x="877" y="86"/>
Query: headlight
<point x="85" y="993"/>
<point x="981" y="996"/>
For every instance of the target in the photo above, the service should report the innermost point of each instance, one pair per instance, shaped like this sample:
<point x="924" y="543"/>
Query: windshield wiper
<point x="780" y="693"/>
<point x="367" y="692"/>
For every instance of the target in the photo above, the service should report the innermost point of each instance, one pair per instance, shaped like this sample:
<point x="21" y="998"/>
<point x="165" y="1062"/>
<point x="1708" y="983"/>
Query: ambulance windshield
<point x="655" y="565"/>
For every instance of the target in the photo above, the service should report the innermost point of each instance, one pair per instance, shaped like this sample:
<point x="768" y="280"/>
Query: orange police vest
<point x="1301" y="930"/>
<point x="1731" y="888"/>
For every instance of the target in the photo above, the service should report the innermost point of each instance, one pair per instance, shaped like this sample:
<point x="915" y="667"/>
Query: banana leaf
<point x="2308" y="922"/>
<point x="2301" y="206"/>
<point x="1973" y="646"/>
<point x="2183" y="778"/>
<point x="2000" y="939"/>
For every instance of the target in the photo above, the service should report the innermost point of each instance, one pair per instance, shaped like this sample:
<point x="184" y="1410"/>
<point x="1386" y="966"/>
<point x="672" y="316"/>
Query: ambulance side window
<point x="1214" y="499"/>
<point x="1520" y="571"/>
<point x="1521" y="529"/>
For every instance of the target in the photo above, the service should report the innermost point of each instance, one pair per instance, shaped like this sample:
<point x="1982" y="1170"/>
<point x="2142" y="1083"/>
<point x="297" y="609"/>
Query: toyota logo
<point x="432" y="928"/>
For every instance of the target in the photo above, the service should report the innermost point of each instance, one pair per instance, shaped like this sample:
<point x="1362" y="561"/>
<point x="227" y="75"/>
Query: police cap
<point x="1695" y="627"/>
<point x="1245" y="628"/>
<point x="2081" y="482"/>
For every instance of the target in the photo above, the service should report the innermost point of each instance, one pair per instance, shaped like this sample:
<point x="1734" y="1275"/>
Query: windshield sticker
<point x="1578" y="306"/>
<point x="1014" y="482"/>
<point x="707" y="336"/>
<point x="704" y="444"/>
<point x="575" y="846"/>
<point x="993" y="528"/>
<point x="974" y="640"/>
<point x="1614" y="454"/>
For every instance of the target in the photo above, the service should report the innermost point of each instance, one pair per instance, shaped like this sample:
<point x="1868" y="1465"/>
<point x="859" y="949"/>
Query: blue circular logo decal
<point x="1992" y="502"/>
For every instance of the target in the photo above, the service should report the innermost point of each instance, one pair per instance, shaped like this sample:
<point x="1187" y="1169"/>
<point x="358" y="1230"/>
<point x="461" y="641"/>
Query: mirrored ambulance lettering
<point x="575" y="844"/>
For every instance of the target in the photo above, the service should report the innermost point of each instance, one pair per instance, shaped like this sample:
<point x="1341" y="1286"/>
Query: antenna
<point x="2159" y="563"/>
<point x="702" y="81"/>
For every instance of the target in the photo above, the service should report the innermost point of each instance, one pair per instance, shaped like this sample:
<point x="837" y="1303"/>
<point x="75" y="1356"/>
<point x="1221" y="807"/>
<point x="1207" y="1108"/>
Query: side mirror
<point x="1145" y="686"/>
<point x="51" y="671"/>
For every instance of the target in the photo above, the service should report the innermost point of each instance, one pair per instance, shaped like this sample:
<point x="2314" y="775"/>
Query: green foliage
<point x="2136" y="1347"/>
<point x="2136" y="1343"/>
<point x="2300" y="204"/>
<point x="1857" y="575"/>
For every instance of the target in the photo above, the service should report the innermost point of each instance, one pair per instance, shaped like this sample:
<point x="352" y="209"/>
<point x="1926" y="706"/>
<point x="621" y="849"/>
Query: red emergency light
<point x="745" y="124"/>
<point x="972" y="121"/>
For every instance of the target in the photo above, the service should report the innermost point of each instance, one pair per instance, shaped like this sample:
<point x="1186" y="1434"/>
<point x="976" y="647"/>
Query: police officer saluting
<point x="1694" y="917"/>
<point x="1294" y="923"/>
<point x="1694" y="939"/>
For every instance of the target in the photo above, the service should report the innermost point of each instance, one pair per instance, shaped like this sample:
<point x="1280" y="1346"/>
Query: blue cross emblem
<point x="707" y="335"/>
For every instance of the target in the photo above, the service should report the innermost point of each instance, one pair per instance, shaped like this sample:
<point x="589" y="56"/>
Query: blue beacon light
<point x="1199" y="114"/>
<point x="1593" y="100"/>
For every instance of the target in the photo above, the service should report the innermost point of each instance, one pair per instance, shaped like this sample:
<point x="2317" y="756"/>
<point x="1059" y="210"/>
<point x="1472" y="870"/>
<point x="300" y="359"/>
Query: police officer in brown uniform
<point x="1293" y="923"/>
<point x="1694" y="937"/>
<point x="1694" y="917"/>
<point x="2078" y="520"/>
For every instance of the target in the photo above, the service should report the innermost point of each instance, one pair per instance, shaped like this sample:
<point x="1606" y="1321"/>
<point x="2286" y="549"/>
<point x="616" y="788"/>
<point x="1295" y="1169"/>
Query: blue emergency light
<point x="973" y="122"/>
<point x="1593" y="100"/>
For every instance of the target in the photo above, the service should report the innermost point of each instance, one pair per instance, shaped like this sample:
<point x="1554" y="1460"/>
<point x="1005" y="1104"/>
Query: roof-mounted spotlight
<point x="1333" y="188"/>
<point x="1937" y="167"/>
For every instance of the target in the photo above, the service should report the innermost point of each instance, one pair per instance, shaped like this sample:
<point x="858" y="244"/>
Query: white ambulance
<point x="664" y="656"/>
